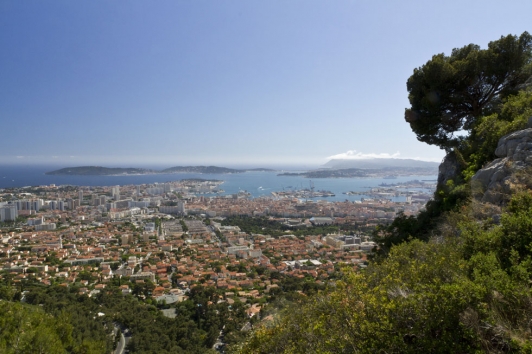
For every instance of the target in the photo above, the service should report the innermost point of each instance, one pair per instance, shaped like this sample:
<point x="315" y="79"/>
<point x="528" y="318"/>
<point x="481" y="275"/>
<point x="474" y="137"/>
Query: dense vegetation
<point x="79" y="324"/>
<point x="63" y="323"/>
<point x="453" y="294"/>
<point x="28" y="329"/>
<point x="455" y="279"/>
<point x="450" y="93"/>
<point x="507" y="113"/>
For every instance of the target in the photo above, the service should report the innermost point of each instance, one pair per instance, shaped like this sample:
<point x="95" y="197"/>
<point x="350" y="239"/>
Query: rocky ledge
<point x="493" y="183"/>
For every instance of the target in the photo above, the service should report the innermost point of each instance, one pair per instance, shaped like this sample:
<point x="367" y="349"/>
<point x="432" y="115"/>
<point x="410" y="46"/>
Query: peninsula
<point x="100" y="171"/>
<point x="389" y="173"/>
<point x="110" y="171"/>
<point x="377" y="167"/>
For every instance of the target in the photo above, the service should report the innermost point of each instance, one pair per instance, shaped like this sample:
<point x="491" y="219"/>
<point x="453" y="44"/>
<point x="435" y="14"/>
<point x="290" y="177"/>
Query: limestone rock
<point x="515" y="143"/>
<point x="492" y="183"/>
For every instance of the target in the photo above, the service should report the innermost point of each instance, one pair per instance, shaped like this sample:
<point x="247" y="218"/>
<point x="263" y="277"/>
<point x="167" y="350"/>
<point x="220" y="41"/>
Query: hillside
<point x="430" y="292"/>
<point x="456" y="278"/>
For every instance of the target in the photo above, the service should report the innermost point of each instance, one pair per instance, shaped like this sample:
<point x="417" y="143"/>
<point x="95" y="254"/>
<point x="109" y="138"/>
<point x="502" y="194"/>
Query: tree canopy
<point x="449" y="93"/>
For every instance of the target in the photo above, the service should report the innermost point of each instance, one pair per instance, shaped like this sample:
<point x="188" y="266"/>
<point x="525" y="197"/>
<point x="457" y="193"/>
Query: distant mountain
<point x="201" y="169"/>
<point x="380" y="164"/>
<point x="383" y="168"/>
<point x="100" y="171"/>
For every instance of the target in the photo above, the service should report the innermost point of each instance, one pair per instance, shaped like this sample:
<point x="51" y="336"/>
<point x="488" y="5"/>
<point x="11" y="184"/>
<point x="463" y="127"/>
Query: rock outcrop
<point x="449" y="168"/>
<point x="493" y="183"/>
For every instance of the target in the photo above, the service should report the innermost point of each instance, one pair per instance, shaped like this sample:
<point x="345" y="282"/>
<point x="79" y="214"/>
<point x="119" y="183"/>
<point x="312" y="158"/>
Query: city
<point x="156" y="241"/>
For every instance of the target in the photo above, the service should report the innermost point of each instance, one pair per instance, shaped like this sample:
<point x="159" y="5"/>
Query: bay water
<point x="257" y="183"/>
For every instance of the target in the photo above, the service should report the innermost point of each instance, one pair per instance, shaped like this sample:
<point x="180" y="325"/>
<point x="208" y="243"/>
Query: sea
<point x="256" y="183"/>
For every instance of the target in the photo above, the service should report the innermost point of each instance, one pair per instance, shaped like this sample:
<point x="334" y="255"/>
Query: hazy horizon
<point x="150" y="163"/>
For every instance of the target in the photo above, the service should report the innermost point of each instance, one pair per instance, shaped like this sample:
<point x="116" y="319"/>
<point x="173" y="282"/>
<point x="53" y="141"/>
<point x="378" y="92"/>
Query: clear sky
<point x="229" y="83"/>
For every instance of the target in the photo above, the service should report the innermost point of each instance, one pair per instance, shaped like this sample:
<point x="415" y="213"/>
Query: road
<point x="121" y="344"/>
<point x="220" y="345"/>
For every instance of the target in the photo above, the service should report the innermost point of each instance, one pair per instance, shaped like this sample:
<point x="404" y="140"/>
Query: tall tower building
<point x="181" y="207"/>
<point x="116" y="192"/>
<point x="37" y="204"/>
<point x="8" y="212"/>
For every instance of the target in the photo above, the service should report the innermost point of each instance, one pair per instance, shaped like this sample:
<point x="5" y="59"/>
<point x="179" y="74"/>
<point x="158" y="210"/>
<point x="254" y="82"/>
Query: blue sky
<point x="229" y="83"/>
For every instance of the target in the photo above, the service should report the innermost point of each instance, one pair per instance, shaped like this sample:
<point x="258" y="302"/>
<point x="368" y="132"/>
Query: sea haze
<point x="257" y="183"/>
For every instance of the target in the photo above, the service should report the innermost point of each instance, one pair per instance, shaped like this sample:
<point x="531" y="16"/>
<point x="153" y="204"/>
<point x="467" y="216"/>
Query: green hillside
<point x="455" y="279"/>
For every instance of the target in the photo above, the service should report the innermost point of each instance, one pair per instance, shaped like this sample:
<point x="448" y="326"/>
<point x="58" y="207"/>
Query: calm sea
<point x="256" y="183"/>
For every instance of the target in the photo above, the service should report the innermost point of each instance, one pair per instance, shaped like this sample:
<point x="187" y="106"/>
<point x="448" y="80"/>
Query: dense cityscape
<point x="161" y="240"/>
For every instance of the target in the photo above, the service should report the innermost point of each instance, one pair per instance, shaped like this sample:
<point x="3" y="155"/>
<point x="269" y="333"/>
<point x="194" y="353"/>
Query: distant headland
<point x="376" y="167"/>
<point x="113" y="171"/>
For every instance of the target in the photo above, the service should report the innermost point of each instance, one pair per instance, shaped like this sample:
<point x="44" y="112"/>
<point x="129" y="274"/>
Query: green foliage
<point x="194" y="330"/>
<point x="471" y="154"/>
<point x="479" y="148"/>
<point x="183" y="225"/>
<point x="404" y="307"/>
<point x="516" y="230"/>
<point x="457" y="295"/>
<point x="446" y="199"/>
<point x="261" y="225"/>
<point x="450" y="93"/>
<point x="27" y="329"/>
<point x="400" y="230"/>
<point x="88" y="334"/>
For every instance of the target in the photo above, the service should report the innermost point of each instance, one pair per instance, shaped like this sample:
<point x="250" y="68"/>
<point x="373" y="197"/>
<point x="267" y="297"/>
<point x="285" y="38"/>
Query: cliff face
<point x="493" y="183"/>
